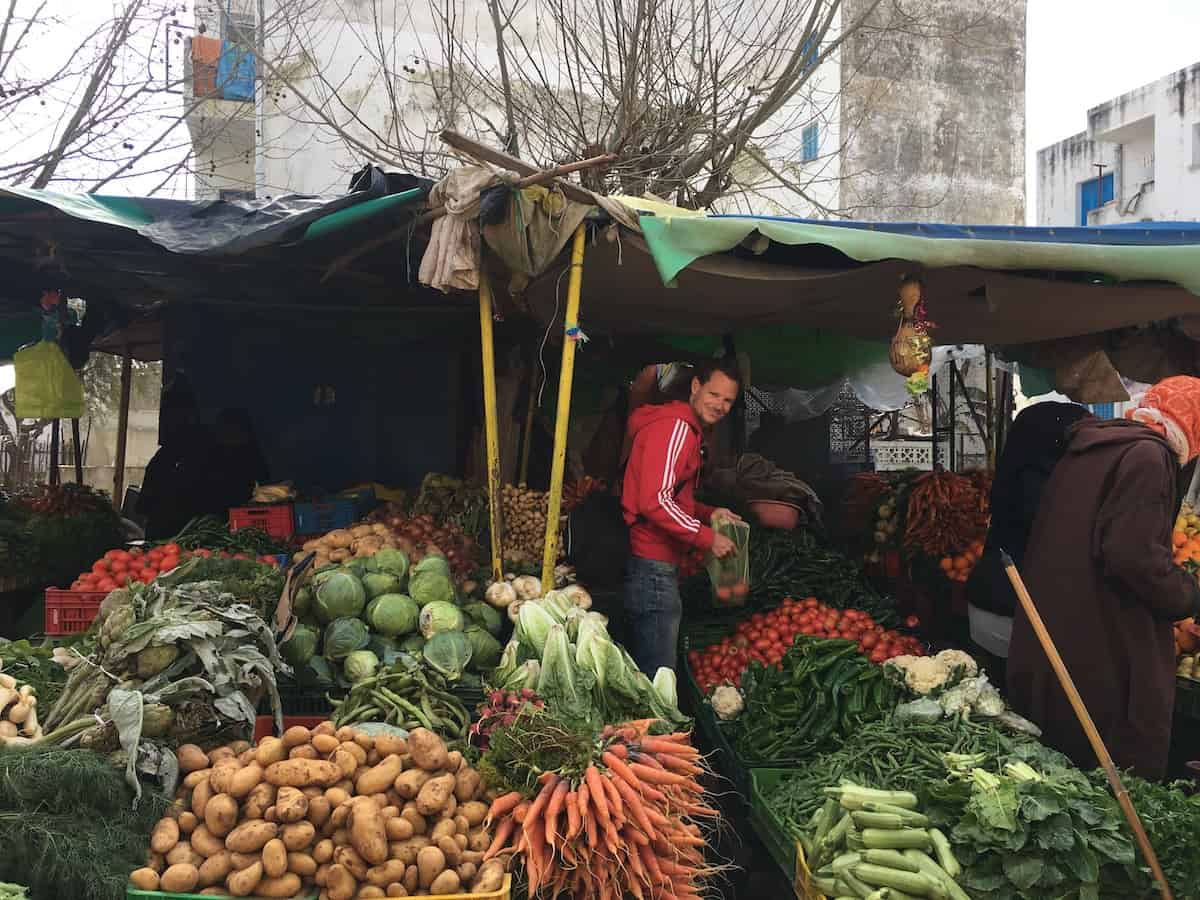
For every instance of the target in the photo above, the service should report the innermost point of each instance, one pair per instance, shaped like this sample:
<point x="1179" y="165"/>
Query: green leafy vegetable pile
<point x="1171" y="816"/>
<point x="213" y="533"/>
<point x="33" y="664"/>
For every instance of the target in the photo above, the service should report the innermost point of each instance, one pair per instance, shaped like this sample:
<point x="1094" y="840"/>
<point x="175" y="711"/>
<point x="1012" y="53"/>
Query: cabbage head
<point x="533" y="626"/>
<point x="565" y="688"/>
<point x="386" y="648"/>
<point x="430" y="587"/>
<point x="379" y="583"/>
<point x="485" y="649"/>
<point x="558" y="604"/>
<point x="315" y="673"/>
<point x="302" y="603"/>
<point x="300" y="647"/>
<point x="414" y="643"/>
<point x="345" y="635"/>
<point x="360" y="665"/>
<point x="508" y="663"/>
<point x="487" y="616"/>
<point x="439" y="617"/>
<point x="665" y="687"/>
<point x="393" y="614"/>
<point x="433" y="563"/>
<point x="339" y="595"/>
<point x="356" y="567"/>
<point x="390" y="561"/>
<point x="449" y="653"/>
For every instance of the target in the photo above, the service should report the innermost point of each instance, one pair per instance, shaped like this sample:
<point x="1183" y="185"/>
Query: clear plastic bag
<point x="730" y="576"/>
<point x="47" y="386"/>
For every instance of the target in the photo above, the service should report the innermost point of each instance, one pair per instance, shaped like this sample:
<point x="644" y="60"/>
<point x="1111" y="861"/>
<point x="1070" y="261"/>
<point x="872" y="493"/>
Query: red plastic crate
<point x="71" y="612"/>
<point x="276" y="520"/>
<point x="265" y="725"/>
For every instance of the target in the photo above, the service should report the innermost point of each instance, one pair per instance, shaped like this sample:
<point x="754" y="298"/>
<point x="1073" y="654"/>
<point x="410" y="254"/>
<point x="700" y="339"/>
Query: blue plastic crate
<point x="319" y="518"/>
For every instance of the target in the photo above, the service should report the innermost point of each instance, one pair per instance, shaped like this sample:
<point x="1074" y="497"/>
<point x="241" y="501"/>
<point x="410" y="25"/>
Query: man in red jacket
<point x="665" y="520"/>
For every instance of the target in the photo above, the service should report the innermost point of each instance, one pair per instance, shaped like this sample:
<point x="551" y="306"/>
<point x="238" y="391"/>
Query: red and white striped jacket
<point x="658" y="497"/>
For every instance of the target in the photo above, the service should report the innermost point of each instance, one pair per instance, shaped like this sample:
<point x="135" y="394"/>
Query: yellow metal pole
<point x="562" y="417"/>
<point x="491" y="422"/>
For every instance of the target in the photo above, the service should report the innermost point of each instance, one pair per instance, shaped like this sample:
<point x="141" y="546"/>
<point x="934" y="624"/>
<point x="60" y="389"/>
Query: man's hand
<point x="722" y="546"/>
<point x="727" y="515"/>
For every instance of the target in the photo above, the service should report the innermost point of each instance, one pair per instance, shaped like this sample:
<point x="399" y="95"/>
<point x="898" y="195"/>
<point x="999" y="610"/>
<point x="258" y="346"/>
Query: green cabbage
<point x="565" y="688"/>
<point x="393" y="614"/>
<point x="302" y="603"/>
<point x="379" y="583"/>
<point x="414" y="643"/>
<point x="386" y="648"/>
<point x="523" y="676"/>
<point x="557" y="604"/>
<point x="390" y="561"/>
<point x="316" y="673"/>
<point x="448" y="652"/>
<point x="438" y="617"/>
<point x="434" y="563"/>
<point x="665" y="686"/>
<point x="485" y="649"/>
<point x="356" y="567"/>
<point x="339" y="594"/>
<point x="533" y="626"/>
<point x="507" y="664"/>
<point x="430" y="587"/>
<point x="487" y="616"/>
<point x="300" y="647"/>
<point x="360" y="665"/>
<point x="345" y="635"/>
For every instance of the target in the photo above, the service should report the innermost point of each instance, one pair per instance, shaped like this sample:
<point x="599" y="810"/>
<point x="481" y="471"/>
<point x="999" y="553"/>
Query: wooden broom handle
<point x="1089" y="727"/>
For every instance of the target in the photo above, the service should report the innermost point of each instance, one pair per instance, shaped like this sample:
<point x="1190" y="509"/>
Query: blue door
<point x="1094" y="194"/>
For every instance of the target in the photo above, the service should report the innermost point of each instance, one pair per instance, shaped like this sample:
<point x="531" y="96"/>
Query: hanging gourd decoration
<point x="912" y="346"/>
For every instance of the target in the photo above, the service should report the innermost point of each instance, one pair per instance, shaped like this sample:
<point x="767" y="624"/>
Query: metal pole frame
<point x="562" y="416"/>
<point x="491" y="422"/>
<point x="122" y="431"/>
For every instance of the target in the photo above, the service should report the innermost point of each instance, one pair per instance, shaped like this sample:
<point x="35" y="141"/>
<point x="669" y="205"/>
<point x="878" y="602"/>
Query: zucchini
<point x="873" y="806"/>
<point x="888" y="820"/>
<point x="933" y="870"/>
<point x="893" y="859"/>
<point x="852" y="796"/>
<point x="846" y="860"/>
<point x="881" y="876"/>
<point x="895" y="839"/>
<point x="860" y="889"/>
<point x="945" y="856"/>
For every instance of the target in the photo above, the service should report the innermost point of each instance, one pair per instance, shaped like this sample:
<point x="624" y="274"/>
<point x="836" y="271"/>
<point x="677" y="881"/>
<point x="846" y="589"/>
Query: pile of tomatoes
<point x="766" y="637"/>
<point x="119" y="567"/>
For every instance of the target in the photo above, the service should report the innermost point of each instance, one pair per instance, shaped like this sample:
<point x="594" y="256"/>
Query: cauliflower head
<point x="922" y="674"/>
<point x="727" y="702"/>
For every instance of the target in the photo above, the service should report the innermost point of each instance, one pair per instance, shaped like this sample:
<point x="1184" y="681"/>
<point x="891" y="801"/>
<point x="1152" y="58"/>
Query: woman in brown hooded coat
<point x="1100" y="570"/>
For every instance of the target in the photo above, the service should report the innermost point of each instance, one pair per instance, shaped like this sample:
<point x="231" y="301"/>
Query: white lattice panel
<point x="892" y="456"/>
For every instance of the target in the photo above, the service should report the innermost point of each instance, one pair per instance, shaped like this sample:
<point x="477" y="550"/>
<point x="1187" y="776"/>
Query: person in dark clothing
<point x="236" y="463"/>
<point x="1099" y="567"/>
<point x="1035" y="442"/>
<point x="170" y="493"/>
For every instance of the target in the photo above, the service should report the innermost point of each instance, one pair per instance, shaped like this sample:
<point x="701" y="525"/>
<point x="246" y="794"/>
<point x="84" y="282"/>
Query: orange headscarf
<point x="1172" y="408"/>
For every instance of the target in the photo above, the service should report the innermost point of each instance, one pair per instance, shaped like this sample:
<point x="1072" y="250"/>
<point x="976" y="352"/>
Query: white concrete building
<point x="1138" y="160"/>
<point x="894" y="127"/>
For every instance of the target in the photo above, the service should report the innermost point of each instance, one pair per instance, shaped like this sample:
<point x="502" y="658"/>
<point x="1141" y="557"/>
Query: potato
<point x="364" y="740"/>
<point x="325" y="743"/>
<point x="339" y="816"/>
<point x="461" y="840"/>
<point x="451" y="807"/>
<point x="415" y="819"/>
<point x="240" y="746"/>
<point x="390" y="871"/>
<point x="244" y="882"/>
<point x="356" y="750"/>
<point x="285" y="885"/>
<point x="408" y="784"/>
<point x="206" y="843"/>
<point x="393" y="798"/>
<point x="191" y="758"/>
<point x="304" y="751"/>
<point x="322" y="851"/>
<point x="367" y="832"/>
<point x="433" y="795"/>
<point x="290" y="805"/>
<point x="312" y="792"/>
<point x="341" y="838"/>
<point x="302" y="864"/>
<point x="466" y="872"/>
<point x="270" y="750"/>
<point x="454" y="761"/>
<point x="221" y="776"/>
<point x="325" y="727"/>
<point x="299" y="835"/>
<point x="303" y="772"/>
<point x="398" y="828"/>
<point x="244" y="860"/>
<point x="346" y="761"/>
<point x="388" y="744"/>
<point x="479" y="840"/>
<point x="322" y="876"/>
<point x="474" y="812"/>
<point x="220" y="754"/>
<point x="216" y="869"/>
<point x="155" y="861"/>
<point x="144" y="879"/>
<point x="258" y="801"/>
<point x="165" y="835"/>
<point x="319" y="810"/>
<point x="377" y="779"/>
<point x="187" y="822"/>
<point x="408" y="850"/>
<point x="446" y="883"/>
<point x="179" y="879"/>
<point x="274" y="857"/>
<point x="346" y="733"/>
<point x="221" y="815"/>
<point x="193" y="778"/>
<point x="427" y="750"/>
<point x="349" y="859"/>
<point x="245" y="780"/>
<point x="466" y="785"/>
<point x="340" y="884"/>
<point x="444" y="828"/>
<point x="397" y="890"/>
<point x="380" y="801"/>
<point x="336" y="796"/>
<point x="490" y="877"/>
<point x="461" y="825"/>
<point x="201" y="794"/>
<point x="369" y="892"/>
<point x="412" y="879"/>
<point x="373" y="757"/>
<point x="450" y="850"/>
<point x="271" y="815"/>
<point x="215" y="891"/>
<point x="296" y="735"/>
<point x="347" y="785"/>
<point x="430" y="864"/>
<point x="387" y="812"/>
<point x="251" y="836"/>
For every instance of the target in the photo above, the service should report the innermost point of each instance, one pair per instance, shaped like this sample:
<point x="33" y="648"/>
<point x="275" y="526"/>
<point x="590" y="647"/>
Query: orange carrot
<point x="546" y="776"/>
<point x="596" y="795"/>
<point x="656" y="818"/>
<point x="616" y="808"/>
<point x="621" y="769"/>
<point x="581" y="796"/>
<point x="574" y="820"/>
<point x="503" y="832"/>
<point x="650" y="861"/>
<point x="659" y="746"/>
<point x="657" y="776"/>
<point x="503" y="805"/>
<point x="703" y="811"/>
<point x="539" y="804"/>
<point x="535" y="865"/>
<point x="620" y="751"/>
<point x="521" y="812"/>
<point x="679" y="765"/>
<point x="589" y="822"/>
<point x="648" y="759"/>
<point x="634" y="805"/>
<point x="633" y="836"/>
<point x="553" y="809"/>
<point x="641" y="725"/>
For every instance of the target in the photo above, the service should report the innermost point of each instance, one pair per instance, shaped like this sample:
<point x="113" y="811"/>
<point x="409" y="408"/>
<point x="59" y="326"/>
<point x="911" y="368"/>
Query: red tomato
<point x="168" y="563"/>
<point x="171" y="549"/>
<point x="119" y="565"/>
<point x="113" y="554"/>
<point x="912" y="622"/>
<point x="879" y="657"/>
<point x="242" y="556"/>
<point x="147" y="575"/>
<point x="100" y="567"/>
<point x="869" y="640"/>
<point x="106" y="584"/>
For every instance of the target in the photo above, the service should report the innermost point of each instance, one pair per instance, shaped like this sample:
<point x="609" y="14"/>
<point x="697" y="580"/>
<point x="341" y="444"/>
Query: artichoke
<point x="154" y="659"/>
<point x="116" y="624"/>
<point x="157" y="719"/>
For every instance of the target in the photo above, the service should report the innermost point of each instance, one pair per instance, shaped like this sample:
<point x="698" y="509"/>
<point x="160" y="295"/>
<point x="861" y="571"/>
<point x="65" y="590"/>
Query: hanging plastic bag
<point x="730" y="576"/>
<point x="47" y="386"/>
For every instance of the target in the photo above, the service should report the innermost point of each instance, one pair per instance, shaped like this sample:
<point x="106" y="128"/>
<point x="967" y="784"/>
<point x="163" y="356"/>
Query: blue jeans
<point x="653" y="610"/>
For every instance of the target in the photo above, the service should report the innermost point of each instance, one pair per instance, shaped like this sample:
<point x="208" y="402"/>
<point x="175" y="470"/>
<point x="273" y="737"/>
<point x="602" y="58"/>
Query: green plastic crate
<point x="1187" y="699"/>
<point x="771" y="830"/>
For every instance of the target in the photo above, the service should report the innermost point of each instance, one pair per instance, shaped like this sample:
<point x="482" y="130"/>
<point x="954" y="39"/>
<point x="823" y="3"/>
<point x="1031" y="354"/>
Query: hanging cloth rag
<point x="451" y="261"/>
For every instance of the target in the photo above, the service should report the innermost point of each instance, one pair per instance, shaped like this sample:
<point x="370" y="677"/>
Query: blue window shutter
<point x="809" y="143"/>
<point x="235" y="72"/>
<point x="1101" y="410"/>
<point x="809" y="52"/>
<point x="1093" y="194"/>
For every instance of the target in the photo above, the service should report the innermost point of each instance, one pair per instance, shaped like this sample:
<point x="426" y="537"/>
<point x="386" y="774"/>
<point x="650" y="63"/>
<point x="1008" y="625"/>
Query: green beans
<point x="407" y="698"/>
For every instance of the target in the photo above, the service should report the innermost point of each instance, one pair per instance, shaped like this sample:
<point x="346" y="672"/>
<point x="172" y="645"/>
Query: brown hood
<point x="1095" y="434"/>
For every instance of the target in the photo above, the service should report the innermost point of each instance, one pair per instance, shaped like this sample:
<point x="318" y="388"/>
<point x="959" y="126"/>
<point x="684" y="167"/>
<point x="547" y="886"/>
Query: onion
<point x="501" y="595"/>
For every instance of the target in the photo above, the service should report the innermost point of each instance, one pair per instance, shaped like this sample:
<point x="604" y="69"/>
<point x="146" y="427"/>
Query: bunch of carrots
<point x="946" y="512"/>
<point x="628" y="826"/>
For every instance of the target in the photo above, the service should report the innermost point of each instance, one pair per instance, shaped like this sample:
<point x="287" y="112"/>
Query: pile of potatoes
<point x="524" y="522"/>
<point x="356" y="815"/>
<point x="344" y="544"/>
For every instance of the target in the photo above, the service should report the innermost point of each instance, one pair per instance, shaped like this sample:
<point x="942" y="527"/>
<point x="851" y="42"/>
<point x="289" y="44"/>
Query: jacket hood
<point x="657" y="412"/>
<point x="1093" y="434"/>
